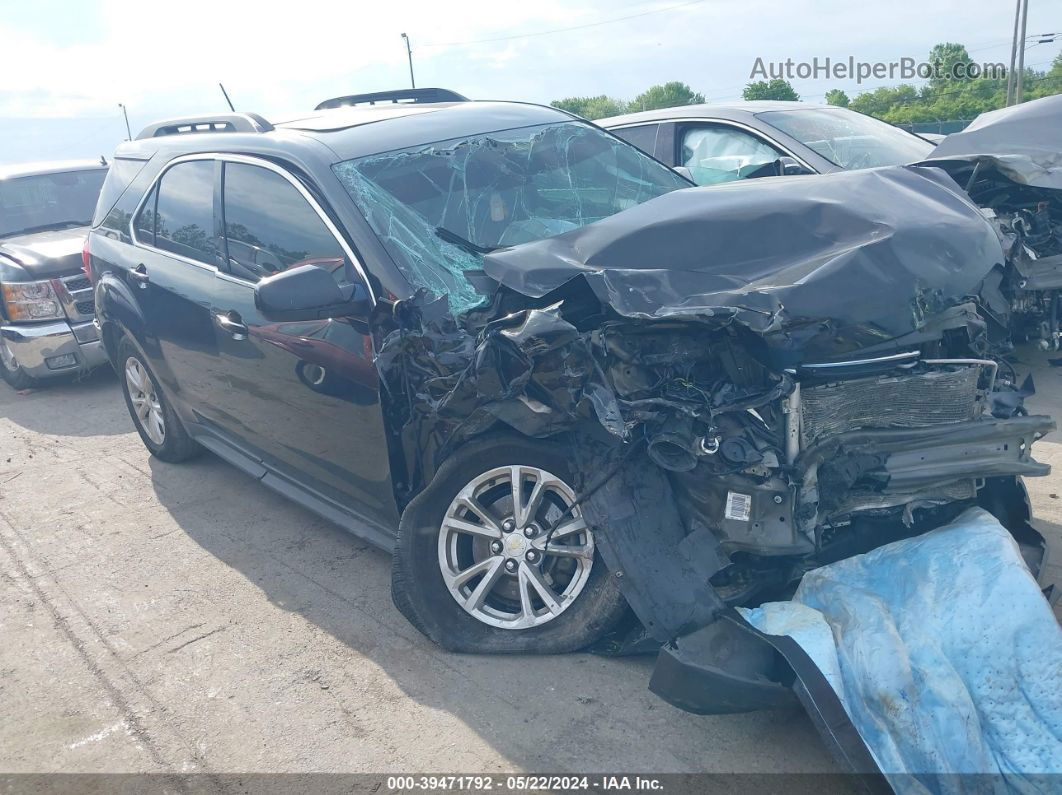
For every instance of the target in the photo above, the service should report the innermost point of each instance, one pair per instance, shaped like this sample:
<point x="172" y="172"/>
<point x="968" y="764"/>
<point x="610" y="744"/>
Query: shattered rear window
<point x="439" y="207"/>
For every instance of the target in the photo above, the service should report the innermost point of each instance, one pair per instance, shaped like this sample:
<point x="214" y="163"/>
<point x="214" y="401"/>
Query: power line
<point x="564" y="30"/>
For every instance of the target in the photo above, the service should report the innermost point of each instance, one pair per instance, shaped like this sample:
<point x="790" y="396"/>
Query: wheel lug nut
<point x="530" y="531"/>
<point x="510" y="565"/>
<point x="508" y="525"/>
<point x="495" y="547"/>
<point x="532" y="556"/>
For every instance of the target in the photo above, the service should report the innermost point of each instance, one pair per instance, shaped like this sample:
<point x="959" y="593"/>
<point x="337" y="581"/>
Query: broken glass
<point x="437" y="207"/>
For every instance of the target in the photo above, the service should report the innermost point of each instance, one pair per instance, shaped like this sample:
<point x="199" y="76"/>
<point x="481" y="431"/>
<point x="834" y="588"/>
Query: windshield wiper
<point x="452" y="237"/>
<point x="46" y="227"/>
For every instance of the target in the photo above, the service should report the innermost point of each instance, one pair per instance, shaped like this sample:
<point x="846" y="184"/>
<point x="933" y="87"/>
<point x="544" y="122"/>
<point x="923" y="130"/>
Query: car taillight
<point x="86" y="259"/>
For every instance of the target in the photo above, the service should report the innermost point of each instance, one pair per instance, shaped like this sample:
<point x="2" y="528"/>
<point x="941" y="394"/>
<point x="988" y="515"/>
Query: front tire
<point x="472" y="567"/>
<point x="157" y="423"/>
<point x="12" y="372"/>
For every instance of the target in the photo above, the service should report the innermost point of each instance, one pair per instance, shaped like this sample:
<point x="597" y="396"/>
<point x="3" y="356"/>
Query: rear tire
<point x="555" y="599"/>
<point x="154" y="418"/>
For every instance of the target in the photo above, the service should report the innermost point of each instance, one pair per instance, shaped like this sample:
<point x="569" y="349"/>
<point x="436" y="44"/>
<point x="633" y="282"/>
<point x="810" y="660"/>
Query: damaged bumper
<point x="913" y="461"/>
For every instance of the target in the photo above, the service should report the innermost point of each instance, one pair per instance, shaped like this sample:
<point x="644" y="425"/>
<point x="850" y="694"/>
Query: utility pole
<point x="1013" y="54"/>
<point x="409" y="54"/>
<point x="1019" y="90"/>
<point x="128" y="132"/>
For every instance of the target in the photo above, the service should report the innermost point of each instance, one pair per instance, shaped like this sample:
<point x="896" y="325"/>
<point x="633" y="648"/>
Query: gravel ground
<point x="160" y="618"/>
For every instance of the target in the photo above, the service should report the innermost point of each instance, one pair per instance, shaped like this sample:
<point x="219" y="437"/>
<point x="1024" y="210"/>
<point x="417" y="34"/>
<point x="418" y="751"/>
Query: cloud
<point x="146" y="53"/>
<point x="165" y="59"/>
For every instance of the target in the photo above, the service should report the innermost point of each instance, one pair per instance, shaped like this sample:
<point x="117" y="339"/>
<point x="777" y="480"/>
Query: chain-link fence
<point x="941" y="127"/>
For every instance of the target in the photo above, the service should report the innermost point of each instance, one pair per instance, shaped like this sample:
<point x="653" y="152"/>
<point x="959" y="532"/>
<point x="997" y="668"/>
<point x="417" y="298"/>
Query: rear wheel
<point x="158" y="425"/>
<point x="494" y="556"/>
<point x="12" y="371"/>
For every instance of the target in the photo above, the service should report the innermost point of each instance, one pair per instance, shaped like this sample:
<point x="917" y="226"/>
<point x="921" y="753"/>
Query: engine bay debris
<point x="752" y="379"/>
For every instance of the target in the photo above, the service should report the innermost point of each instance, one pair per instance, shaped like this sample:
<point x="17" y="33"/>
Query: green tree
<point x="946" y="98"/>
<point x="775" y="89"/>
<point x="944" y="57"/>
<point x="1050" y="82"/>
<point x="598" y="107"/>
<point x="881" y="100"/>
<point x="836" y="96"/>
<point x="668" y="95"/>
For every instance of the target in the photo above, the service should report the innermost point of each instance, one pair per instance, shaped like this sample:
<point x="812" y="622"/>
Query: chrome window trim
<point x="729" y="122"/>
<point x="250" y="161"/>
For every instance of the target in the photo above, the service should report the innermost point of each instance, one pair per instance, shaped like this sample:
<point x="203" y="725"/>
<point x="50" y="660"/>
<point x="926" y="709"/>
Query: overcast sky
<point x="66" y="64"/>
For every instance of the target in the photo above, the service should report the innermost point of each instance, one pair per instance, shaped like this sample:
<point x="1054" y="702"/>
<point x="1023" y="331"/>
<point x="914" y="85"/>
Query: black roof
<point x="349" y="132"/>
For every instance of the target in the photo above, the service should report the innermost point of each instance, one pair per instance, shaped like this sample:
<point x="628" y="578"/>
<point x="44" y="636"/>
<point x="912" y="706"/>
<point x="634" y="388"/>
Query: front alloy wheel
<point x="495" y="555"/>
<point x="513" y="551"/>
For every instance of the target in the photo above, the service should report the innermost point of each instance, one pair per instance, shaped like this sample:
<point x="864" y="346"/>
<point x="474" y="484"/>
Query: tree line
<point x="939" y="99"/>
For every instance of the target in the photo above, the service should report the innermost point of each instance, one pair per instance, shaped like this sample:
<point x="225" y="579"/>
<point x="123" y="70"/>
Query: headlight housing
<point x="28" y="301"/>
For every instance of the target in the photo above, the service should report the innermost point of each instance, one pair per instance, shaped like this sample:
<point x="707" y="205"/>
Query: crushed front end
<point x="752" y="381"/>
<point x="1009" y="161"/>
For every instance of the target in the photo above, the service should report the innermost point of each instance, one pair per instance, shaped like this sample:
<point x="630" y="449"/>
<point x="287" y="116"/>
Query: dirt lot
<point x="184" y="618"/>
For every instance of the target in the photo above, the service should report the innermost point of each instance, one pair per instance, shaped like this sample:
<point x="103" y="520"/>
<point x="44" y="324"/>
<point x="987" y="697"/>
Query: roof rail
<point x="220" y="122"/>
<point x="403" y="96"/>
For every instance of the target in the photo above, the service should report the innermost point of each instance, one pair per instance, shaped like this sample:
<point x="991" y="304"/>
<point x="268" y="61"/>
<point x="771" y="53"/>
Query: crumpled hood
<point x="1023" y="142"/>
<point x="819" y="266"/>
<point x="43" y="254"/>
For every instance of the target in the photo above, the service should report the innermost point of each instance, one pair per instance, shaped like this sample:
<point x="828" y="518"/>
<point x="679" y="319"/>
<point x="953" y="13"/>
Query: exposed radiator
<point x="906" y="401"/>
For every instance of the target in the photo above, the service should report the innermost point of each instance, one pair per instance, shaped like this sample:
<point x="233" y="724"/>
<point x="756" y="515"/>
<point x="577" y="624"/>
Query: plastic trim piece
<point x="412" y="96"/>
<point x="218" y="123"/>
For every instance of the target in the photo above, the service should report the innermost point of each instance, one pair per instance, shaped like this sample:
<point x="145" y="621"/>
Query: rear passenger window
<point x="270" y="227"/>
<point x="643" y="136"/>
<point x="184" y="211"/>
<point x="121" y="173"/>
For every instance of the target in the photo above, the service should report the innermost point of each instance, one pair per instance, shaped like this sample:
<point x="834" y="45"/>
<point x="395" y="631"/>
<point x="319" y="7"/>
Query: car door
<point x="172" y="277"/>
<point x="305" y="394"/>
<point x="717" y="152"/>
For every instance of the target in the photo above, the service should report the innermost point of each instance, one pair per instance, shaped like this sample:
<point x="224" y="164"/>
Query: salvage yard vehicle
<point x="1008" y="161"/>
<point x="577" y="385"/>
<point x="46" y="313"/>
<point x="741" y="140"/>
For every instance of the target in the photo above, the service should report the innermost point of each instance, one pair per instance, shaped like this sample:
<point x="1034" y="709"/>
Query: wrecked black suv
<point x="574" y="384"/>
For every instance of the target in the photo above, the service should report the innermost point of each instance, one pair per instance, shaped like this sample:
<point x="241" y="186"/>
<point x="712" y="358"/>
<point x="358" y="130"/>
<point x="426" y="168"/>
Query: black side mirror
<point x="789" y="167"/>
<point x="307" y="293"/>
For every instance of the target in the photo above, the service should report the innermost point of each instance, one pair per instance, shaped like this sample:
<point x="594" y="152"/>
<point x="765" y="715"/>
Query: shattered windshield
<point x="438" y="207"/>
<point x="849" y="139"/>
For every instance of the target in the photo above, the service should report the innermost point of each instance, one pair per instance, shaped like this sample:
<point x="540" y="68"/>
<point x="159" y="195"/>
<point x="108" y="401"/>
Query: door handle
<point x="139" y="274"/>
<point x="230" y="322"/>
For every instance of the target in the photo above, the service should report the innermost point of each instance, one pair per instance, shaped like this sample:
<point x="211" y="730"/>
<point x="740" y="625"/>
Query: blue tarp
<point x="945" y="654"/>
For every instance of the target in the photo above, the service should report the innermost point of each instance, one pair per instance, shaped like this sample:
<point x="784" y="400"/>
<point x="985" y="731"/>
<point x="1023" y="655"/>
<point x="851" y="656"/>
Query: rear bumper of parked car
<point x="51" y="349"/>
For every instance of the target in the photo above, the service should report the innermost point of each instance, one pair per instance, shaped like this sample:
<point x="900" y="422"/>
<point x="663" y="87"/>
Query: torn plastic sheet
<point x="1021" y="142"/>
<point x="945" y="654"/>
<point x="819" y="267"/>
